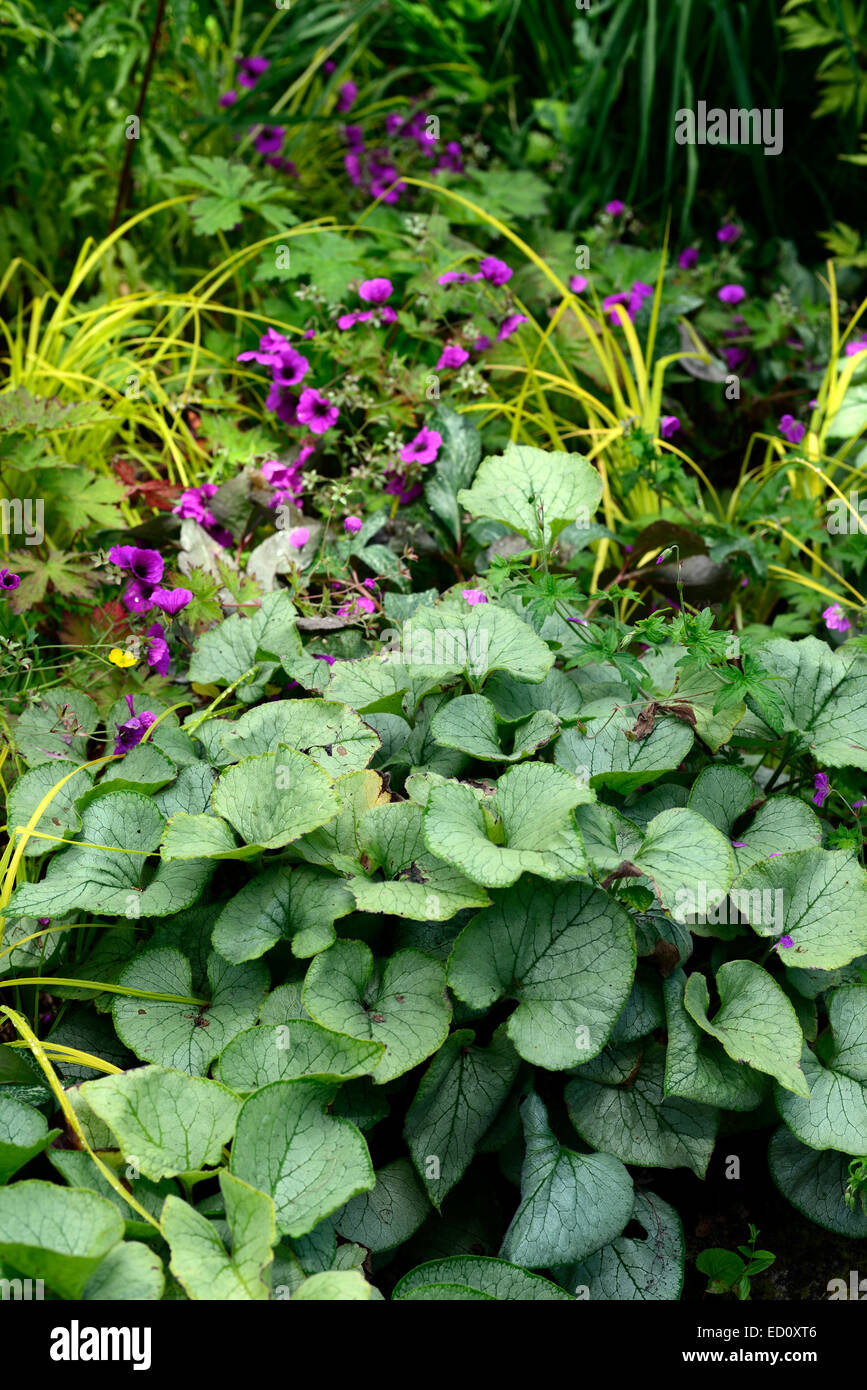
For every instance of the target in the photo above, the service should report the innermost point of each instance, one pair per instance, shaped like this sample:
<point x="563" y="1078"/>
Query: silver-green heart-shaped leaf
<point x="634" y="1269"/>
<point x="332" y="734"/>
<point x="534" y="492"/>
<point x="284" y="1051"/>
<point x="755" y="1021"/>
<point x="200" y="1262"/>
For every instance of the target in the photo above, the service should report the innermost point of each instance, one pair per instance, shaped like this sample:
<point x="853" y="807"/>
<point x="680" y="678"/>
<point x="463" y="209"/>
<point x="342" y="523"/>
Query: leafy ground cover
<point x="434" y="735"/>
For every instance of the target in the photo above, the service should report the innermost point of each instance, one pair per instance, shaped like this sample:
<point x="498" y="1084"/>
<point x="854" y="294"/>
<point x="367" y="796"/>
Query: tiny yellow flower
<point x="123" y="659"/>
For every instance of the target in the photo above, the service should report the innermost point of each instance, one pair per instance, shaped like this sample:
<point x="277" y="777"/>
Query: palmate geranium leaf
<point x="755" y="1022"/>
<point x="457" y="1100"/>
<point x="816" y="897"/>
<point x="201" y="1263"/>
<point x="309" y="1162"/>
<point x="534" y="831"/>
<point x="571" y="1204"/>
<point x="634" y="1268"/>
<point x="164" y="1121"/>
<point x="822" y="695"/>
<point x="639" y="1123"/>
<point x="402" y="1004"/>
<point x="535" y="493"/>
<point x="605" y="750"/>
<point x="106" y="872"/>
<point x="565" y="952"/>
<point x="188" y="1036"/>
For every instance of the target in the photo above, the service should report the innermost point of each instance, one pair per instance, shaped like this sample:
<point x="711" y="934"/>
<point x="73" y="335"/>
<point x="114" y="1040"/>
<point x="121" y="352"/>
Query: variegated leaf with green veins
<point x="103" y="873"/>
<point x="284" y="1051"/>
<point x="833" y="1116"/>
<point x="200" y="1262"/>
<point x="130" y="1273"/>
<point x="755" y="1022"/>
<point x="721" y="795"/>
<point x="634" y="1268"/>
<point x="165" y="1121"/>
<point x="402" y="1004"/>
<point x="823" y="898"/>
<point x="534" y="492"/>
<point x="384" y="684"/>
<point x="697" y="1068"/>
<point x="470" y="723"/>
<point x="473" y="642"/>
<point x="60" y="819"/>
<point x="332" y="734"/>
<point x="387" y="1215"/>
<point x="145" y="768"/>
<point x="297" y="905"/>
<point x="534" y="831"/>
<point x="566" y="953"/>
<point x="335" y="1286"/>
<point x="224" y="653"/>
<point x="477" y="1276"/>
<point x="24" y="1133"/>
<point x="58" y="1234"/>
<point x="55" y="726"/>
<point x="640" y="1124"/>
<point x="274" y="798"/>
<point x="309" y="1162"/>
<point x="782" y="825"/>
<point x="457" y="1100"/>
<point x="571" y="1204"/>
<point x="815" y="1182"/>
<point x="515" y="700"/>
<point x="610" y="758"/>
<point x="202" y="836"/>
<point x="847" y="1011"/>
<point x="188" y="1036"/>
<point x="684" y="856"/>
<point x="823" y="695"/>
<point x="609" y="837"/>
<point x="416" y="884"/>
<point x="190" y="792"/>
<point x="336" y="844"/>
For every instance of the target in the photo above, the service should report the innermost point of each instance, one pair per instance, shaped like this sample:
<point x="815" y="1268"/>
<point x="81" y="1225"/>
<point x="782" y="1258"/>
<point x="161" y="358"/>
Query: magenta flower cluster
<point x="288" y="368"/>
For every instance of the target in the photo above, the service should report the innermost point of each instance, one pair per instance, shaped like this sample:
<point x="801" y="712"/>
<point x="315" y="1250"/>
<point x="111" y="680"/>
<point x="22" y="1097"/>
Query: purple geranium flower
<point x="578" y="284"/>
<point x="171" y="601"/>
<point x="791" y="429"/>
<point x="857" y="345"/>
<point x="145" y="565"/>
<point x="375" y="291"/>
<point x="269" y="139"/>
<point x="732" y="294"/>
<point x="615" y="208"/>
<point x="133" y="730"/>
<point x="158" y="650"/>
<point x="424" y="448"/>
<point x="510" y="325"/>
<point x="835" y="619"/>
<point x="688" y="258"/>
<point x="251" y="69"/>
<point x="785" y="943"/>
<point x="457" y="277"/>
<point x="346" y="96"/>
<point x="228" y="98"/>
<point x="822" y="786"/>
<point x="191" y="503"/>
<point x="496" y="272"/>
<point x="353" y="525"/>
<point x="8" y="580"/>
<point x="396" y="486"/>
<point x="474" y="596"/>
<point x="452" y="356"/>
<point x="668" y="425"/>
<point x="728" y="232"/>
<point x="316" y="412"/>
